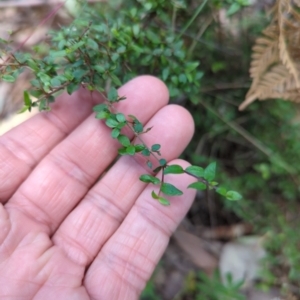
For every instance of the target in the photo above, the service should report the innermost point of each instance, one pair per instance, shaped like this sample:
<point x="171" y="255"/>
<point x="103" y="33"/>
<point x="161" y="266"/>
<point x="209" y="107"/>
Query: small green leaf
<point x="133" y="12"/>
<point x="4" y="41"/>
<point x="182" y="78"/>
<point x="210" y="171"/>
<point x="100" y="28"/>
<point x="124" y="140"/>
<point x="138" y="127"/>
<point x="162" y="162"/>
<point x="121" y="125"/>
<point x="157" y="169"/>
<point x="115" y="133"/>
<point x="72" y="87"/>
<point x="27" y="100"/>
<point x="153" y="37"/>
<point x="115" y="80"/>
<point x="68" y="74"/>
<point x="99" y="69"/>
<point x="130" y="150"/>
<point x="190" y="66"/>
<point x="102" y="115"/>
<point x="174" y="79"/>
<point x="155" y="147"/>
<point x="112" y="123"/>
<point x="160" y="199"/>
<point x="154" y="195"/>
<point x="173" y="169"/>
<point x="120" y="117"/>
<point x="121" y="49"/>
<point x="43" y="105"/>
<point x="163" y="201"/>
<point x="149" y="164"/>
<point x="33" y="65"/>
<point x="122" y="151"/>
<point x="23" y="109"/>
<point x="60" y="53"/>
<point x="79" y="74"/>
<point x="165" y="73"/>
<point x="195" y="170"/>
<point x="200" y="186"/>
<point x="92" y="44"/>
<point x="112" y="95"/>
<point x="76" y="46"/>
<point x="146" y="152"/>
<point x="55" y="82"/>
<point x="50" y="99"/>
<point x="36" y="93"/>
<point x="234" y="7"/>
<point x="62" y="44"/>
<point x="233" y="196"/>
<point x="136" y="30"/>
<point x="139" y="147"/>
<point x="36" y="83"/>
<point x="8" y="78"/>
<point x="133" y="117"/>
<point x="170" y="189"/>
<point x="115" y="57"/>
<point x="100" y="107"/>
<point x="149" y="179"/>
<point x="222" y="191"/>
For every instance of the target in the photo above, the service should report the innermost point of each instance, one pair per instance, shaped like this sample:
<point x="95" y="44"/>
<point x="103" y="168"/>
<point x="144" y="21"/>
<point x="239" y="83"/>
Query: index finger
<point x="24" y="146"/>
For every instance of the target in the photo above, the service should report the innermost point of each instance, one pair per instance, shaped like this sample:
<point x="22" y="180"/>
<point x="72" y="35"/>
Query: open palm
<point x="65" y="234"/>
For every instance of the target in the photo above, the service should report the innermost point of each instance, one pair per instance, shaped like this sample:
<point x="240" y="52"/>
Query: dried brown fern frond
<point x="265" y="54"/>
<point x="275" y="59"/>
<point x="283" y="39"/>
<point x="278" y="82"/>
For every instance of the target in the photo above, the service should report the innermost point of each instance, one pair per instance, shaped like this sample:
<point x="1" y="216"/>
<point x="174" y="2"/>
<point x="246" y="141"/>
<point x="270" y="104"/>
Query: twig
<point x="226" y="86"/>
<point x="199" y="34"/>
<point x="190" y="22"/>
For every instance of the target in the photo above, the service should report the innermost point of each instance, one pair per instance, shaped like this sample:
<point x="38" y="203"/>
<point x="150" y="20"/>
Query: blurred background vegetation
<point x="202" y="50"/>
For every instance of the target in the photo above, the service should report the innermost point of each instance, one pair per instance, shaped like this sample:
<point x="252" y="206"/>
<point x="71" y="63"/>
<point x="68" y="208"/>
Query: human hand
<point x="64" y="234"/>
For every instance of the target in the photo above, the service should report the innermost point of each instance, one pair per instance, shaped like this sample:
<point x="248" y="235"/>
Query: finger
<point x="128" y="259"/>
<point x="24" y="146"/>
<point x="104" y="208"/>
<point x="65" y="175"/>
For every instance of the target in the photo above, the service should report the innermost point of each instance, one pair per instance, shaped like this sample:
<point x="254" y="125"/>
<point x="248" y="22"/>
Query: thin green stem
<point x="200" y="179"/>
<point x="162" y="181"/>
<point x="198" y="36"/>
<point x="132" y="129"/>
<point x="62" y="87"/>
<point x="142" y="141"/>
<point x="190" y="22"/>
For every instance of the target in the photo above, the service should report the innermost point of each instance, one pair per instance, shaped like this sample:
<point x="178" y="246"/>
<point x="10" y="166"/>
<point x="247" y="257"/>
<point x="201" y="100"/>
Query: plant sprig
<point x="96" y="51"/>
<point x="116" y="121"/>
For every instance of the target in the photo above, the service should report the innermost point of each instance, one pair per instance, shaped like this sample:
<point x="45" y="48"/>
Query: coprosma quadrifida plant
<point x="97" y="50"/>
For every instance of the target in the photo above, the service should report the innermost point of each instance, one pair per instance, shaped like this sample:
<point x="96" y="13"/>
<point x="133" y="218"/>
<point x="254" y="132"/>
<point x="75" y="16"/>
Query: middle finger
<point x="104" y="208"/>
<point x="64" y="176"/>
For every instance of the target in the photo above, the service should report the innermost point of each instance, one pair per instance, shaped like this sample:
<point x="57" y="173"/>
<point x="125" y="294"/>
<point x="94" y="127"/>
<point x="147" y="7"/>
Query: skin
<point x="65" y="234"/>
